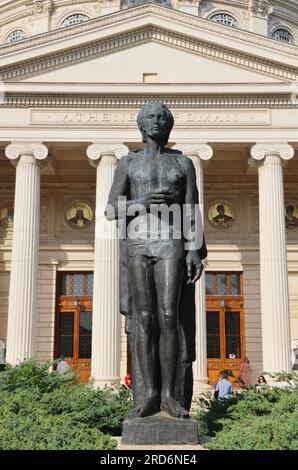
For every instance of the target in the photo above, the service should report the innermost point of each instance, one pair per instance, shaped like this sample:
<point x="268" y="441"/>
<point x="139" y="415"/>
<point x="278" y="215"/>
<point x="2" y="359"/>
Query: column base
<point x="105" y="382"/>
<point x="201" y="385"/>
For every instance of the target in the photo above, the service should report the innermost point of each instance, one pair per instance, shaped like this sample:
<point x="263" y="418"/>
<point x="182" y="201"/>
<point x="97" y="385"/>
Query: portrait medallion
<point x="6" y="215"/>
<point x="291" y="215"/>
<point x="221" y="215"/>
<point x="79" y="215"/>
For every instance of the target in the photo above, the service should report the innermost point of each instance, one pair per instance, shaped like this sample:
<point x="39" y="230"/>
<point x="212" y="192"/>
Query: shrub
<point x="211" y="411"/>
<point x="46" y="432"/>
<point x="42" y="410"/>
<point x="258" y="433"/>
<point x="263" y="419"/>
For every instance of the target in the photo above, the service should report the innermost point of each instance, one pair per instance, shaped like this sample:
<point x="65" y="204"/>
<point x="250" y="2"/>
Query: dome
<point x="276" y="19"/>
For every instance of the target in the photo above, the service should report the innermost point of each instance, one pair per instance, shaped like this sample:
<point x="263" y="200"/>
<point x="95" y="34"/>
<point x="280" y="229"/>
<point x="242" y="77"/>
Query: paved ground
<point x="157" y="447"/>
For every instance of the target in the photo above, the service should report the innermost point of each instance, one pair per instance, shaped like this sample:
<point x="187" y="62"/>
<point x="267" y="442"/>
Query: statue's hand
<point x="157" y="196"/>
<point x="194" y="267"/>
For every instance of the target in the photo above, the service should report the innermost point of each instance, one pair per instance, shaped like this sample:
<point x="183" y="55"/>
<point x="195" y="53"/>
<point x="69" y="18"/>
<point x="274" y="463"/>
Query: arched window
<point x="225" y="19"/>
<point x="74" y="19"/>
<point x="283" y="35"/>
<point x="15" y="36"/>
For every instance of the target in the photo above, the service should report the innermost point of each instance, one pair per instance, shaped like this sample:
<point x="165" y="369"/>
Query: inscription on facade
<point x="127" y="118"/>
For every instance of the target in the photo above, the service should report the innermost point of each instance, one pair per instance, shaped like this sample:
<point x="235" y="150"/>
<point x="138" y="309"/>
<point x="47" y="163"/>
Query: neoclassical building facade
<point x="74" y="75"/>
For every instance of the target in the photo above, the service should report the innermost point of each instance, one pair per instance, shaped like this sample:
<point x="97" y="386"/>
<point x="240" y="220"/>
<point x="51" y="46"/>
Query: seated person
<point x="261" y="381"/>
<point x="223" y="386"/>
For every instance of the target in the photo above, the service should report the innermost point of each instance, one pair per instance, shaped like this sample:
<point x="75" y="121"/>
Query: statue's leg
<point x="168" y="276"/>
<point x="142" y="286"/>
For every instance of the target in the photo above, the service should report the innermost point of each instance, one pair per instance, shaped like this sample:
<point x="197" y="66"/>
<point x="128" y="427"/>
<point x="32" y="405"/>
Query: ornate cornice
<point x="143" y="10"/>
<point x="136" y="101"/>
<point x="141" y="36"/>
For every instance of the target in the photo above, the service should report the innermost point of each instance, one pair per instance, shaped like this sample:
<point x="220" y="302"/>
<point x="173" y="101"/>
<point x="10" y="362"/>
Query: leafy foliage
<point x="262" y="419"/>
<point x="42" y="410"/>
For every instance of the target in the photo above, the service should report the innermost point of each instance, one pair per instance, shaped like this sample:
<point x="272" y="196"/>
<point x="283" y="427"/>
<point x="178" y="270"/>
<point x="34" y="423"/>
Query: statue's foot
<point x="173" y="408"/>
<point x="148" y="407"/>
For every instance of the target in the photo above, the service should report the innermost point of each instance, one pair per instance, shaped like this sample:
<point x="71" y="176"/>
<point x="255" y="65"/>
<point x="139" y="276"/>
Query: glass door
<point x="225" y="324"/>
<point x="73" y="332"/>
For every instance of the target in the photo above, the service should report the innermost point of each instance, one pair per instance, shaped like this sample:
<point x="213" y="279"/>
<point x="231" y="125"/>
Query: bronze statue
<point x="157" y="272"/>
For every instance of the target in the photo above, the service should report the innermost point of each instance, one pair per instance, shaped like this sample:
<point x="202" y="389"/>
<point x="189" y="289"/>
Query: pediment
<point x="170" y="65"/>
<point x="150" y="38"/>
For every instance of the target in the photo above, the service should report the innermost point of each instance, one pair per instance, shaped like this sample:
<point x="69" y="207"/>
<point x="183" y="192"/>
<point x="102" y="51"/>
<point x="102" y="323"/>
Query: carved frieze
<point x="184" y="118"/>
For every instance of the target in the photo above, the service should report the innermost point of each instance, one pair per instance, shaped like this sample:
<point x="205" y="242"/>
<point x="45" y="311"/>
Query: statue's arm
<point x="195" y="240"/>
<point x="192" y="201"/>
<point x="192" y="195"/>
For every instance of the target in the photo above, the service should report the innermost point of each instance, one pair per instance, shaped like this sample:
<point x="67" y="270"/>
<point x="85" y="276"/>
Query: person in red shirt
<point x="128" y="381"/>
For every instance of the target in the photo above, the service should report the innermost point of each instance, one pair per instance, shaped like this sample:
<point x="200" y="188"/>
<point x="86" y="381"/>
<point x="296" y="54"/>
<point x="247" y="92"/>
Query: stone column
<point x="273" y="255"/>
<point x="28" y="158"/>
<point x="105" y="364"/>
<point x="200" y="154"/>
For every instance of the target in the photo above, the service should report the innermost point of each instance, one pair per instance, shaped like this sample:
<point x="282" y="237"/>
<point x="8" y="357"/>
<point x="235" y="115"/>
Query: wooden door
<point x="73" y="331"/>
<point x="225" y="324"/>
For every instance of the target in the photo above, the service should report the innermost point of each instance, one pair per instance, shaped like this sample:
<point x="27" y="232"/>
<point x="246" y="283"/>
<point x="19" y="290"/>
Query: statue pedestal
<point x="159" y="429"/>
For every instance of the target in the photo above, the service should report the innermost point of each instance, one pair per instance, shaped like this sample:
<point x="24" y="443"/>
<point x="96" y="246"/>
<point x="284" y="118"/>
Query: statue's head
<point x="156" y="121"/>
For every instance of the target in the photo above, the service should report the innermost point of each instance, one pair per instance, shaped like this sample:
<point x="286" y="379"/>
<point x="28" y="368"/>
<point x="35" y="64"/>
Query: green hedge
<point x="42" y="410"/>
<point x="263" y="419"/>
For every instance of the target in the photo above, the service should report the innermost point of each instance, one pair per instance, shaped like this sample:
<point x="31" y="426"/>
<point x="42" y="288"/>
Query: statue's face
<point x="155" y="122"/>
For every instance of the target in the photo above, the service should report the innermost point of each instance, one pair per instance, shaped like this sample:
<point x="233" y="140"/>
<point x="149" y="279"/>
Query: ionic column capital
<point x="105" y="153"/>
<point x="36" y="152"/>
<point x="203" y="152"/>
<point x="259" y="153"/>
